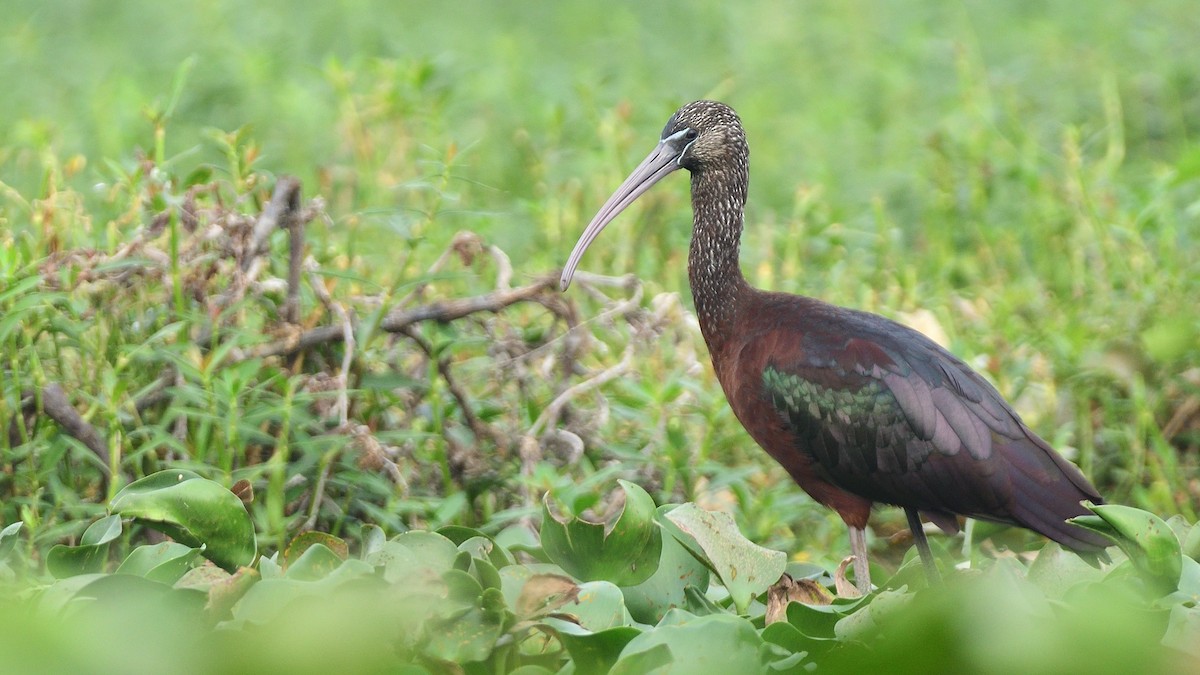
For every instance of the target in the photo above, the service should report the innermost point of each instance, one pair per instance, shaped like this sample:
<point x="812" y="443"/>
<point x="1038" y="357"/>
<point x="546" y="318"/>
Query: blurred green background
<point x="848" y="96"/>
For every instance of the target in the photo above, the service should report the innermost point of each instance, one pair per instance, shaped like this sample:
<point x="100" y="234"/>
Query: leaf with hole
<point x="745" y="568"/>
<point x="624" y="551"/>
<point x="666" y="588"/>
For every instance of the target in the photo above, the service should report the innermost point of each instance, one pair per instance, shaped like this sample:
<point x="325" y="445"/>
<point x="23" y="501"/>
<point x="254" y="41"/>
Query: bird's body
<point x="857" y="408"/>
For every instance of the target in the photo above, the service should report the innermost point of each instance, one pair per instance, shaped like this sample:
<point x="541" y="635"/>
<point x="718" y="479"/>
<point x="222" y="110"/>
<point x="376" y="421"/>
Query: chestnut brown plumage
<point x="858" y="408"/>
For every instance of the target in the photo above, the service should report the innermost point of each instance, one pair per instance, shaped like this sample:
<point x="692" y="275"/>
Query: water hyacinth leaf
<point x="532" y="594"/>
<point x="418" y="559"/>
<point x="1145" y="538"/>
<point x="316" y="562"/>
<point x="486" y="548"/>
<point x="300" y="544"/>
<point x="719" y="643"/>
<point x="520" y="539"/>
<point x="597" y="605"/>
<point x="88" y="557"/>
<point x="468" y="623"/>
<point x="429" y="547"/>
<point x="624" y="551"/>
<point x="649" y="660"/>
<point x="1189" y="586"/>
<point x="881" y="608"/>
<point x="479" y="544"/>
<point x="814" y="621"/>
<point x="267" y="599"/>
<point x="165" y="562"/>
<point x="194" y="511"/>
<point x="484" y="572"/>
<point x="666" y="588"/>
<point x="745" y="568"/>
<point x="593" y="653"/>
<point x="373" y="539"/>
<point x="1183" y="630"/>
<point x="1056" y="570"/>
<point x="1191" y="543"/>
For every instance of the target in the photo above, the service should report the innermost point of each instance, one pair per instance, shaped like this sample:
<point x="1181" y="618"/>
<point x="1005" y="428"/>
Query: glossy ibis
<point x="858" y="408"/>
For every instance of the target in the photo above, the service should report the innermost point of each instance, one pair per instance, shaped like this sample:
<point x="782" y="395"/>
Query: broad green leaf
<point x="536" y="590"/>
<point x="789" y="637"/>
<point x="89" y="556"/>
<point x="882" y="608"/>
<point x="300" y="544"/>
<point x="8" y="539"/>
<point x="430" y="547"/>
<point x="422" y="562"/>
<point x="1183" y="630"/>
<point x="468" y="622"/>
<point x="101" y="532"/>
<point x="194" y="511"/>
<point x="592" y="653"/>
<point x="598" y="605"/>
<point x="373" y="539"/>
<point x="1191" y="544"/>
<point x="1145" y="538"/>
<point x="268" y="598"/>
<point x="485" y="572"/>
<point x="651" y="660"/>
<point x="720" y="643"/>
<point x="666" y="588"/>
<point x="1055" y="571"/>
<point x="479" y="544"/>
<point x="1189" y="586"/>
<point x="520" y="538"/>
<point x="745" y="568"/>
<point x="624" y="552"/>
<point x="815" y="621"/>
<point x="53" y="600"/>
<point x="165" y="562"/>
<point x="316" y="562"/>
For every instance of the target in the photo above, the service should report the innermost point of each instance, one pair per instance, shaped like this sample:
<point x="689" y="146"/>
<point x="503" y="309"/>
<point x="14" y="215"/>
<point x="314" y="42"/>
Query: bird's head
<point x="707" y="134"/>
<point x="701" y="136"/>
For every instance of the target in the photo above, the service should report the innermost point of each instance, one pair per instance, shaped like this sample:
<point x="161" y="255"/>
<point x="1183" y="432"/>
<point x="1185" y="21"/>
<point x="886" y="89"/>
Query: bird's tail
<point x="1046" y="491"/>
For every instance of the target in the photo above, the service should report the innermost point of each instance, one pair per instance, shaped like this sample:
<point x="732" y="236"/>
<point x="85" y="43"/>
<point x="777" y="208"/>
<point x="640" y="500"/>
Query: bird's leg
<point x="918" y="532"/>
<point x="862" y="571"/>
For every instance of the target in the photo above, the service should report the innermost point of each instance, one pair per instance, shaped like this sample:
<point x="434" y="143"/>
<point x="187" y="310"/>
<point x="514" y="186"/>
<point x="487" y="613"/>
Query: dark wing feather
<point x="889" y="415"/>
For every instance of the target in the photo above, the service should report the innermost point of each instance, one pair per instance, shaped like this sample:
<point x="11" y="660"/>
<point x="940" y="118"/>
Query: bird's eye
<point x="691" y="135"/>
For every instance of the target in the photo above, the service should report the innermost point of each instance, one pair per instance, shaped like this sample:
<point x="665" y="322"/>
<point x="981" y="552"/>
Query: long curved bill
<point x="659" y="163"/>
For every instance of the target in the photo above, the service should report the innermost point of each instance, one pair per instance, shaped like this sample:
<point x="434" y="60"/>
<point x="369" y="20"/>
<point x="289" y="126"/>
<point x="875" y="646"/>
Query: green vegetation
<point x="1021" y="180"/>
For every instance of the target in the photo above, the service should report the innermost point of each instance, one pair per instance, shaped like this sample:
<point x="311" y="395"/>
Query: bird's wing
<point x="888" y="414"/>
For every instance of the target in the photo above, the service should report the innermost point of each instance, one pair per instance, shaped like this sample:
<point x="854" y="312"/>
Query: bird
<point x="857" y="408"/>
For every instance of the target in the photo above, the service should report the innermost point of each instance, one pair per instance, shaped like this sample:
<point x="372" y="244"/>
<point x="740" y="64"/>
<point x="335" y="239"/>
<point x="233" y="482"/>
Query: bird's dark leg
<point x="918" y="532"/>
<point x="862" y="571"/>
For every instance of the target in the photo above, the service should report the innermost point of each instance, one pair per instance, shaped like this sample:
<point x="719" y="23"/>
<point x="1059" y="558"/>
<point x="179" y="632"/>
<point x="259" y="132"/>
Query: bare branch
<point x="57" y="407"/>
<point x="450" y="310"/>
<point x="285" y="202"/>
<point x="549" y="416"/>
<point x="477" y="426"/>
<point x="295" y="225"/>
<point x="335" y="308"/>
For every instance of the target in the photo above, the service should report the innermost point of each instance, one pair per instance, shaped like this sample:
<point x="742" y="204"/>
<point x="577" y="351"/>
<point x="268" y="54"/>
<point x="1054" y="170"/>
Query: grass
<point x="1024" y="176"/>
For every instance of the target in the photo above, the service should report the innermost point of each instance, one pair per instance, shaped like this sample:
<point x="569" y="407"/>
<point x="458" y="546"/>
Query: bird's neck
<point x="718" y="203"/>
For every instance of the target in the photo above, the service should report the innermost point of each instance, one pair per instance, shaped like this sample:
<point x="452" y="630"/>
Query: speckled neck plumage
<point x="718" y="205"/>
